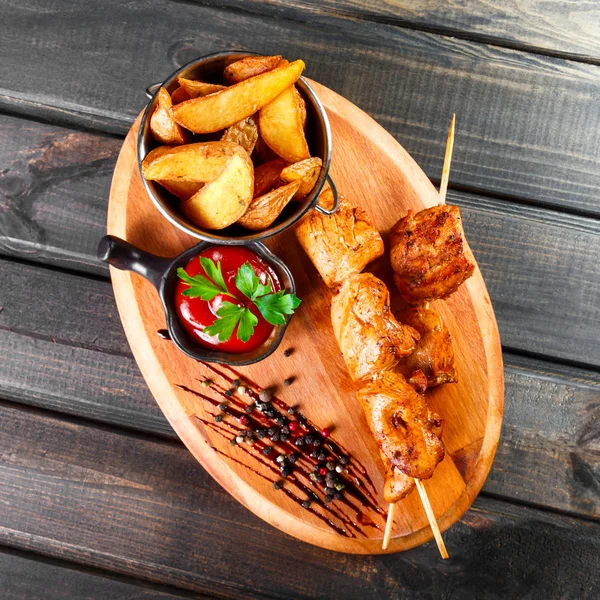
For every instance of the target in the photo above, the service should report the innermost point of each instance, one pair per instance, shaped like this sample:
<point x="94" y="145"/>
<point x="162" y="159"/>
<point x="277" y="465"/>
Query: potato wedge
<point x="220" y="110"/>
<point x="224" y="200"/>
<point x="244" y="133"/>
<point x="196" y="89"/>
<point x="249" y="67"/>
<point x="307" y="171"/>
<point x="265" y="209"/>
<point x="163" y="127"/>
<point x="268" y="176"/>
<point x="262" y="152"/>
<point x="179" y="95"/>
<point x="281" y="125"/>
<point x="200" y="162"/>
<point x="181" y="189"/>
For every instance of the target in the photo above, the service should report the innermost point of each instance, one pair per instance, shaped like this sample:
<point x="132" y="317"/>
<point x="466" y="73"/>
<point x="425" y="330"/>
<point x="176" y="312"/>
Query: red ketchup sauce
<point x="195" y="314"/>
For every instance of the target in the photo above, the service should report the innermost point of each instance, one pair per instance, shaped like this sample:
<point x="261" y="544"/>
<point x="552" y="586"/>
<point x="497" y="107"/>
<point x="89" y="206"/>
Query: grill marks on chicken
<point x="369" y="336"/>
<point x="407" y="431"/>
<point x="430" y="254"/>
<point x="339" y="245"/>
<point x="433" y="356"/>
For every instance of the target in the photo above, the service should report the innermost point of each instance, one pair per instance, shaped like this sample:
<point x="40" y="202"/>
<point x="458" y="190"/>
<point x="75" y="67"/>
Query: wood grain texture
<point x="471" y="408"/>
<point x="539" y="265"/>
<point x="78" y="363"/>
<point x="565" y="28"/>
<point x="527" y="125"/>
<point x="146" y="508"/>
<point x="27" y="577"/>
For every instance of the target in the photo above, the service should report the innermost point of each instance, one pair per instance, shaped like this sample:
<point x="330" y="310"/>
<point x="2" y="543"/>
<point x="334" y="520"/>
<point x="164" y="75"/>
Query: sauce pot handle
<point x="336" y="199"/>
<point x="126" y="257"/>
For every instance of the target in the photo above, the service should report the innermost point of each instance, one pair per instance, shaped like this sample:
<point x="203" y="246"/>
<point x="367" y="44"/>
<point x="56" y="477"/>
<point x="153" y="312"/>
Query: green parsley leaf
<point x="274" y="307"/>
<point x="247" y="324"/>
<point x="249" y="284"/>
<point x="229" y="316"/>
<point x="203" y="287"/>
<point x="214" y="272"/>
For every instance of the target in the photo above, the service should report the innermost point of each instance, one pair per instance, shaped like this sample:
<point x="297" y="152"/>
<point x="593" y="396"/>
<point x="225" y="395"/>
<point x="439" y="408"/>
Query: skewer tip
<point x="388" y="526"/>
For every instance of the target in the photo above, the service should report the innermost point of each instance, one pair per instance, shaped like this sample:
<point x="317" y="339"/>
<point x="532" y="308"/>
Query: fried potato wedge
<point x="163" y="127"/>
<point x="224" y="200"/>
<point x="250" y="66"/>
<point x="179" y="95"/>
<point x="196" y="89"/>
<point x="265" y="209"/>
<point x="244" y="133"/>
<point x="268" y="176"/>
<point x="220" y="110"/>
<point x="181" y="189"/>
<point x="202" y="162"/>
<point x="307" y="171"/>
<point x="281" y="125"/>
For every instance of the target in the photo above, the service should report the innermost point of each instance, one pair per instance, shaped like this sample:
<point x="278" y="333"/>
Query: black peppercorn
<point x="275" y="437"/>
<point x="249" y="409"/>
<point x="235" y="382"/>
<point x="293" y="458"/>
<point x="299" y="441"/>
<point x="310" y="439"/>
<point x="261" y="433"/>
<point x="287" y="352"/>
<point x="287" y="382"/>
<point x="306" y="504"/>
<point x="285" y="430"/>
<point x="218" y="418"/>
<point x="267" y="450"/>
<point x="283" y="437"/>
<point x="328" y="498"/>
<point x="320" y="478"/>
<point x="317" y="441"/>
<point x="322" y="456"/>
<point x="229" y="393"/>
<point x="344" y="460"/>
<point x="291" y="410"/>
<point x="233" y="442"/>
<point x="337" y="496"/>
<point x="280" y="421"/>
<point x="222" y="406"/>
<point x="313" y="454"/>
<point x="272" y="430"/>
<point x="278" y="485"/>
<point x="330" y="490"/>
<point x="286" y="471"/>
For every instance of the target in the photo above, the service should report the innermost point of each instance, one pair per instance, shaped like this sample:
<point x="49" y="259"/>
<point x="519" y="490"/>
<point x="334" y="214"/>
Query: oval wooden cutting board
<point x="373" y="170"/>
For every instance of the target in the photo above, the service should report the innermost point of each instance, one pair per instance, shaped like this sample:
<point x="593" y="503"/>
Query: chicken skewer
<point x="439" y="344"/>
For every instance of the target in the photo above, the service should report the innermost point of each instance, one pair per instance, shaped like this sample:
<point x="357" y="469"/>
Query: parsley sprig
<point x="273" y="306"/>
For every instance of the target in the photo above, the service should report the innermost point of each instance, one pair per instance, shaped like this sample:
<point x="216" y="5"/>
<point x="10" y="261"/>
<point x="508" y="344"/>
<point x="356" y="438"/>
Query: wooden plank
<point x="145" y="508"/>
<point x="54" y="187"/>
<point x="25" y="576"/>
<point x="548" y="451"/>
<point x="562" y="28"/>
<point x="527" y="124"/>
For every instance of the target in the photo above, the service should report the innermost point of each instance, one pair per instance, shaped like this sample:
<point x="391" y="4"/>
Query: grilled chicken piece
<point x="339" y="245"/>
<point x="434" y="355"/>
<point x="397" y="485"/>
<point x="369" y="336"/>
<point x="429" y="254"/>
<point x="407" y="431"/>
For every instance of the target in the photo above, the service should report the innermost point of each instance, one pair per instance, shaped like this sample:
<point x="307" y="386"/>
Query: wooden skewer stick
<point x="387" y="534"/>
<point x="422" y="492"/>
<point x="447" y="161"/>
<point x="431" y="518"/>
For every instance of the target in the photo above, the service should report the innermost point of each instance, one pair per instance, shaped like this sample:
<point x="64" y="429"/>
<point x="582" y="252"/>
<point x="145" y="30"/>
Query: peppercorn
<point x="330" y="466"/>
<point x="337" y="496"/>
<point x="222" y="406"/>
<point x="306" y="504"/>
<point x="293" y="458"/>
<point x="239" y="439"/>
<point x="331" y="476"/>
<point x="339" y="468"/>
<point x="272" y="430"/>
<point x="235" y="382"/>
<point x="261" y="433"/>
<point x="321" y="457"/>
<point x="241" y="390"/>
<point x="275" y="437"/>
<point x="323" y="471"/>
<point x="325" y="432"/>
<point x="299" y="441"/>
<point x="313" y="454"/>
<point x="218" y="418"/>
<point x="339" y="486"/>
<point x="320" y="478"/>
<point x="267" y="450"/>
<point x="280" y="421"/>
<point x="287" y="352"/>
<point x="283" y="437"/>
<point x="207" y="383"/>
<point x="291" y="410"/>
<point x="286" y="471"/>
<point x="280" y="458"/>
<point x="287" y="382"/>
<point x="278" y="485"/>
<point x="250" y="437"/>
<point x="329" y="490"/>
<point x="269" y="413"/>
<point x="313" y="476"/>
<point x="344" y="460"/>
<point x="229" y="393"/>
<point x="233" y="442"/>
<point x="244" y="420"/>
<point x="293" y="425"/>
<point x="265" y="395"/>
<point x="318" y="441"/>
<point x="309" y="439"/>
<point x="249" y="409"/>
<point x="328" y="498"/>
<point x="285" y="429"/>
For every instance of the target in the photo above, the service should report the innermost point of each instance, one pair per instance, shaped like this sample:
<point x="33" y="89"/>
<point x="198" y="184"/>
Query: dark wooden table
<point x="98" y="498"/>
